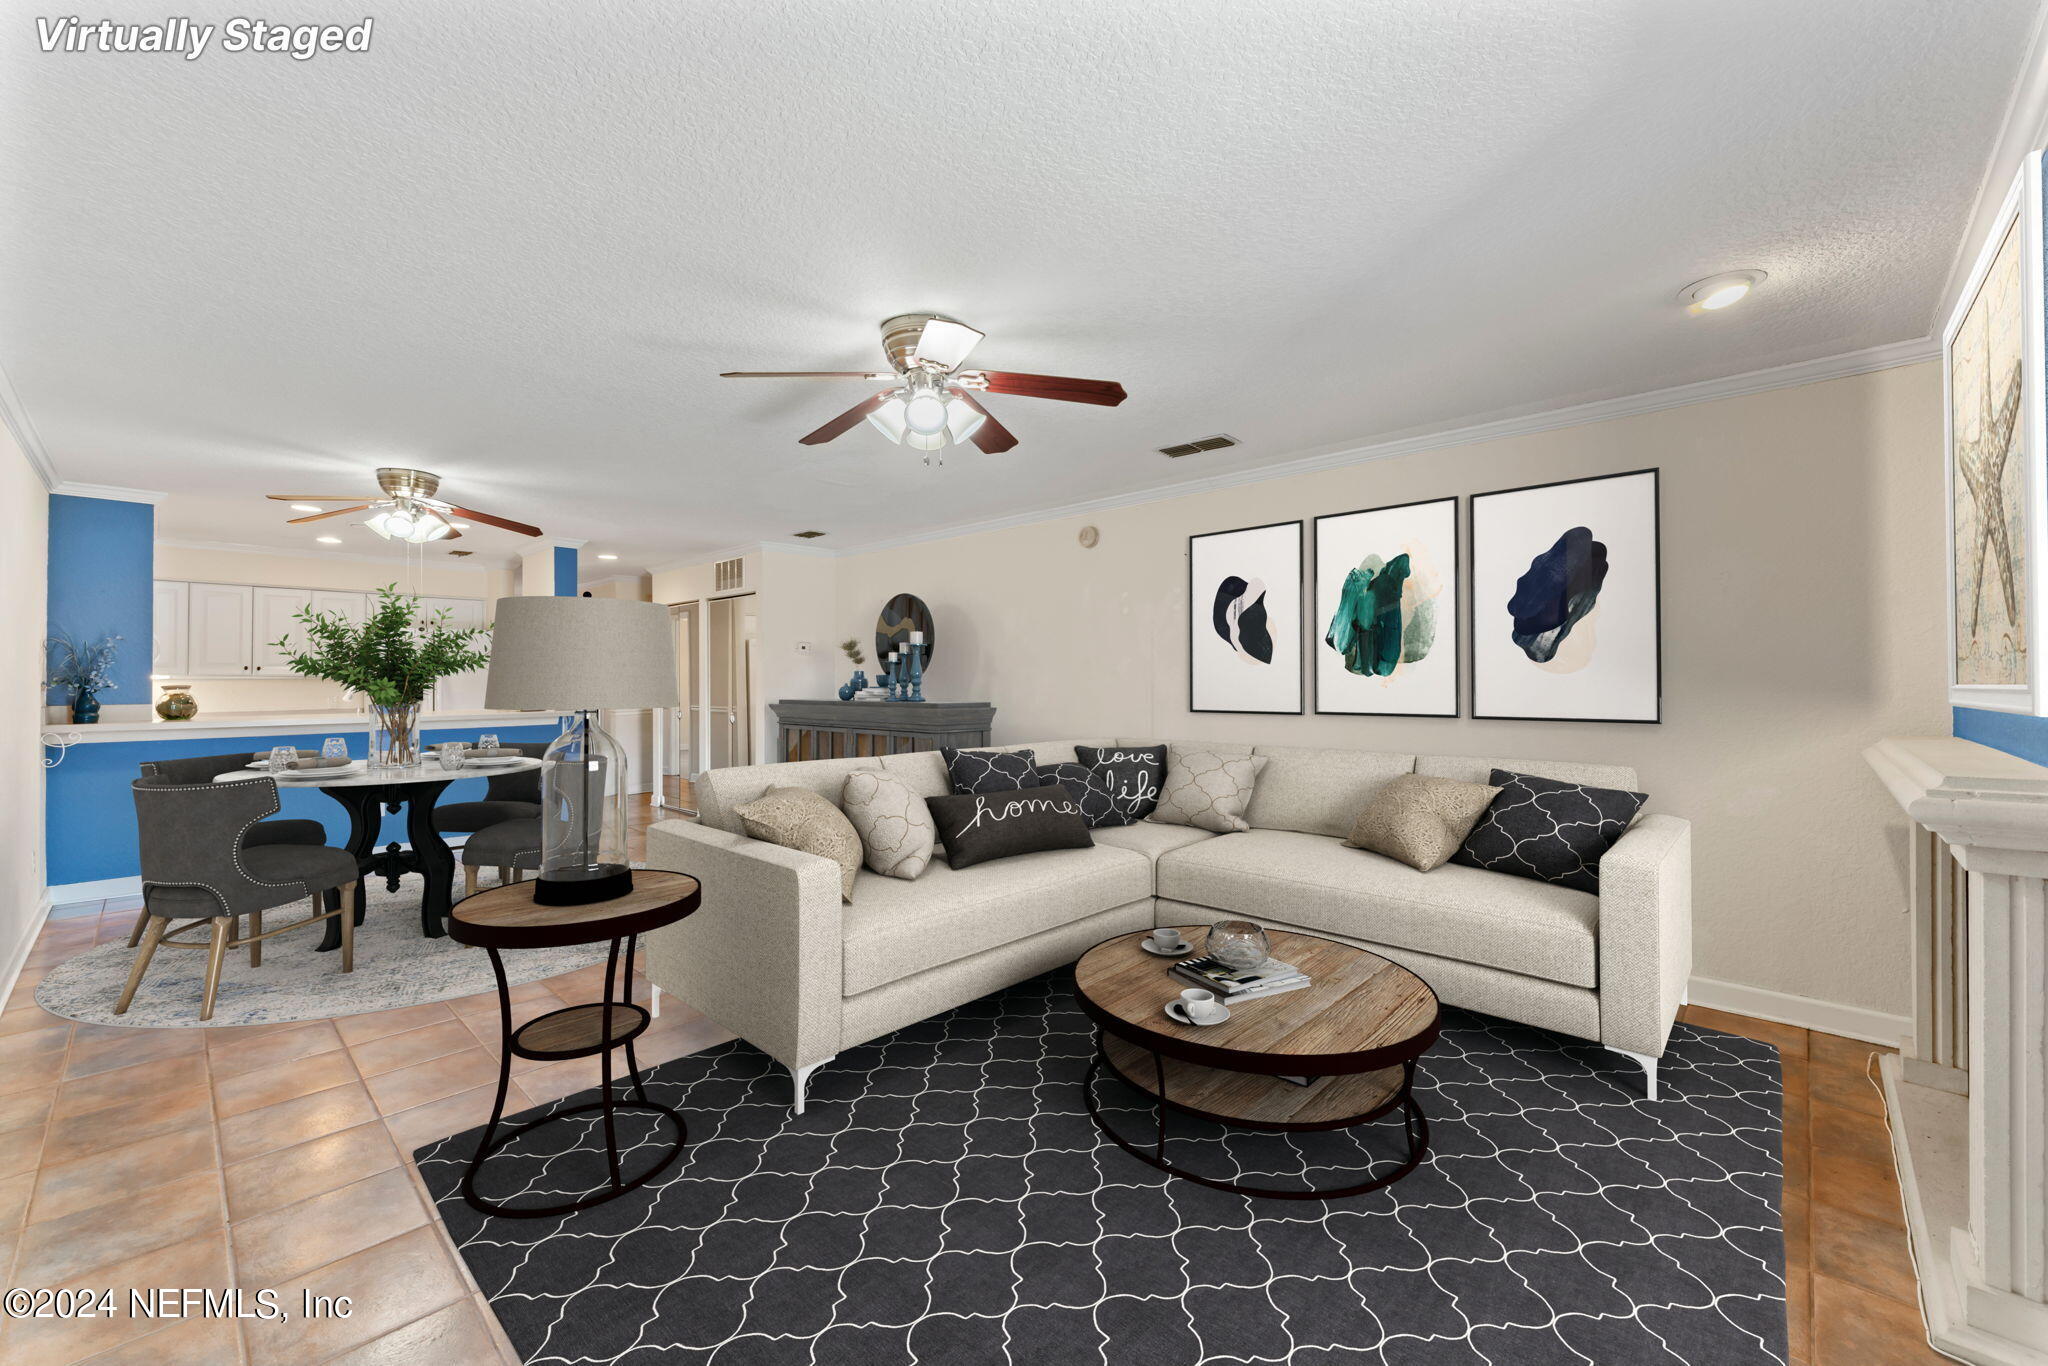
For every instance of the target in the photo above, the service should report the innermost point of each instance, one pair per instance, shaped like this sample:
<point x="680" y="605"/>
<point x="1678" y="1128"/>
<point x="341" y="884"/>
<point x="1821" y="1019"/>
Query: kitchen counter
<point x="227" y="725"/>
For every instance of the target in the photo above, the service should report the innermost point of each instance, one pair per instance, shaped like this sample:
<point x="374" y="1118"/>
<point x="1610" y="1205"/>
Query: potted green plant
<point x="391" y="657"/>
<point x="88" y="670"/>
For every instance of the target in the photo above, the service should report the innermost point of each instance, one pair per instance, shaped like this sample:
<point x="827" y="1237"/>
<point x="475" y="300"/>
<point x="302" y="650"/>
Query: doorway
<point x="732" y="631"/>
<point x="683" y="725"/>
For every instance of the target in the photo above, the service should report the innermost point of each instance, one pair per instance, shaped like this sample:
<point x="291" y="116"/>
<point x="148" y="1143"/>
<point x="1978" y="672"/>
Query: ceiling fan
<point x="409" y="511"/>
<point x="932" y="402"/>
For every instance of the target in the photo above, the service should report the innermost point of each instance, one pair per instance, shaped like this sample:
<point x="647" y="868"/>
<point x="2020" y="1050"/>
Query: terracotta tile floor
<point x="279" y="1156"/>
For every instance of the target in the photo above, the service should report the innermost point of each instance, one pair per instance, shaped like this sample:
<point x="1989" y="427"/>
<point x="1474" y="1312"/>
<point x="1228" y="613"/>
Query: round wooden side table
<point x="507" y="918"/>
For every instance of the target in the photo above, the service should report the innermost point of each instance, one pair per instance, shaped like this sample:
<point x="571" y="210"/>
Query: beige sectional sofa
<point x="776" y="957"/>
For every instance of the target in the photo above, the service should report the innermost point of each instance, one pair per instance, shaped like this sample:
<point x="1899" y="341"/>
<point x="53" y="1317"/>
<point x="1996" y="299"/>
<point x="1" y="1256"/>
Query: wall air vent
<point x="727" y="575"/>
<point x="807" y="535"/>
<point x="1207" y="443"/>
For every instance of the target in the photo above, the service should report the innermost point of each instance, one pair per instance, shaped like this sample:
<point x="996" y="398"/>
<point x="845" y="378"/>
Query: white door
<point x="276" y="611"/>
<point x="171" y="620"/>
<point x="459" y="692"/>
<point x="222" y="615"/>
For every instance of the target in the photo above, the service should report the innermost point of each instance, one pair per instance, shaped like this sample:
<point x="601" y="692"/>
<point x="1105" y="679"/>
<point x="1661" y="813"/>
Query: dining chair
<point x="512" y="847"/>
<point x="507" y="797"/>
<point x="199" y="865"/>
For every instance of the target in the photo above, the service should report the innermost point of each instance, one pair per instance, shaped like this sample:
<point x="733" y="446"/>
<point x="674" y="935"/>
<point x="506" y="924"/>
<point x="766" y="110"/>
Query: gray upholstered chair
<point x="511" y="847"/>
<point x="507" y="797"/>
<point x="204" y="768"/>
<point x="199" y="866"/>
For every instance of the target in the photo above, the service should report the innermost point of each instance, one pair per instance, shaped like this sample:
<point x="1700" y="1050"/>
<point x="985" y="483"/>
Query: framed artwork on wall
<point x="1993" y="432"/>
<point x="1566" y="622"/>
<point x="1386" y="610"/>
<point x="1244" y="619"/>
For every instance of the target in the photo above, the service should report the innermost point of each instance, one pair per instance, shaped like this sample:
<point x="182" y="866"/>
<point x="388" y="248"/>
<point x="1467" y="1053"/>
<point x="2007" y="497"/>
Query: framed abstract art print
<point x="1566" y="623"/>
<point x="1386" y="611"/>
<point x="1244" y="619"/>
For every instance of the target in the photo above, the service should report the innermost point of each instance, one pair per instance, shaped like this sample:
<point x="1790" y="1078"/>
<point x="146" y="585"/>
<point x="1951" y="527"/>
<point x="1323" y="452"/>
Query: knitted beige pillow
<point x="1421" y="821"/>
<point x="1207" y="790"/>
<point x="894" y="824"/>
<point x="798" y="818"/>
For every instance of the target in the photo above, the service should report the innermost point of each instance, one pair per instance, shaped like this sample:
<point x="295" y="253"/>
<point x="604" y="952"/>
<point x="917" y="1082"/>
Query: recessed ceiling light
<point x="329" y="540"/>
<point x="607" y="557"/>
<point x="306" y="507"/>
<point x="1717" y="292"/>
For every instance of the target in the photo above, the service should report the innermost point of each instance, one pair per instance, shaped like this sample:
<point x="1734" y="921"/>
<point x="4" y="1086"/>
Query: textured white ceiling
<point x="515" y="243"/>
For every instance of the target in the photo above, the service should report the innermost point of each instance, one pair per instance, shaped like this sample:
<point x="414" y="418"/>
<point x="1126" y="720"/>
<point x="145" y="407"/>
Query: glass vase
<point x="395" y="742"/>
<point x="583" y="818"/>
<point x="85" y="708"/>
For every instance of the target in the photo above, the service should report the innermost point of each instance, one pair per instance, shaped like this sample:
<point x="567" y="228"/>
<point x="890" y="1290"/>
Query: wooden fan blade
<point x="312" y="497"/>
<point x="323" y="516"/>
<point x="808" y="374"/>
<point x="992" y="436"/>
<point x="1106" y="392"/>
<point x="845" y="422"/>
<point x="505" y="522"/>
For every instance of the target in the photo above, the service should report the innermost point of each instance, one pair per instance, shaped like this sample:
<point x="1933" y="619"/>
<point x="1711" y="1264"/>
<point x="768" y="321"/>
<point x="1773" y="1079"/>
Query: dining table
<point x="367" y="794"/>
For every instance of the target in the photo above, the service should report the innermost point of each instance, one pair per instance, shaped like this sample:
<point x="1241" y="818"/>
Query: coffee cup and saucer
<point x="1166" y="943"/>
<point x="1197" y="1007"/>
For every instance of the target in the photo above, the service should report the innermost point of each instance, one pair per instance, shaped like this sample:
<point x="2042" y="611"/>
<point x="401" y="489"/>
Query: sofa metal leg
<point x="1649" y="1066"/>
<point x="801" y="1076"/>
<point x="653" y="1001"/>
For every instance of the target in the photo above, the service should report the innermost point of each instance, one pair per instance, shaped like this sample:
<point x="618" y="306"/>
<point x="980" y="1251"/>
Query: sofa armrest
<point x="762" y="954"/>
<point x="1645" y="933"/>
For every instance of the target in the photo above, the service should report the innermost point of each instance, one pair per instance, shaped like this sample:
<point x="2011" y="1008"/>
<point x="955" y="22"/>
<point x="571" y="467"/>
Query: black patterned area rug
<point x="947" y="1201"/>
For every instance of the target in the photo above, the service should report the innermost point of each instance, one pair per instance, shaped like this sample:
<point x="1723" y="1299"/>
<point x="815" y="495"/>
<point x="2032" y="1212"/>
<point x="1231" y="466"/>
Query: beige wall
<point x="196" y="565"/>
<point x="1802" y="613"/>
<point x="24" y="562"/>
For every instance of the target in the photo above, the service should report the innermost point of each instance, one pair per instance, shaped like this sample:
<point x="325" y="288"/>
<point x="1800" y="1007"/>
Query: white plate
<point x="494" y="760"/>
<point x="1179" y="1016"/>
<point x="264" y="767"/>
<point x="1186" y="947"/>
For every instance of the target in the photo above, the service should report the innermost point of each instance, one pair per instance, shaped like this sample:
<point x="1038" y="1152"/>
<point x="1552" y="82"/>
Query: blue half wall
<point x="102" y="572"/>
<point x="2025" y="736"/>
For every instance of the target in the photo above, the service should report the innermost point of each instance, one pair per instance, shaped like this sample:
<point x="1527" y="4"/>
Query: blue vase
<point x="860" y="680"/>
<point x="85" y="708"/>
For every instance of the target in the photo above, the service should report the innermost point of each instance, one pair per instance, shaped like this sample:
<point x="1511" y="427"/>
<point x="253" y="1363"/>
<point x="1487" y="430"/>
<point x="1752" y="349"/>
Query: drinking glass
<point x="452" y="758"/>
<point x="1238" y="944"/>
<point x="488" y="740"/>
<point x="334" y="747"/>
<point x="282" y="757"/>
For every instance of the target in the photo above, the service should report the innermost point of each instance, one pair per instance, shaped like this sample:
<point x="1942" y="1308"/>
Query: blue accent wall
<point x="90" y="833"/>
<point x="566" y="583"/>
<point x="2025" y="736"/>
<point x="102" y="568"/>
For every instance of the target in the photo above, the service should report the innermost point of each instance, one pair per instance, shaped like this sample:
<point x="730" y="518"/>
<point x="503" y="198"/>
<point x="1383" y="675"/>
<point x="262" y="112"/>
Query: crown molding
<point x="2023" y="129"/>
<point x="1605" y="410"/>
<point x="558" y="543"/>
<point x="480" y="566"/>
<point x="16" y="419"/>
<point x="113" y="492"/>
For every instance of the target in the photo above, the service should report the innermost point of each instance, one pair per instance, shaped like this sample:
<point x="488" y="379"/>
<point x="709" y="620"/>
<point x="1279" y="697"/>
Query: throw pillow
<point x="798" y="818"/>
<point x="979" y="826"/>
<point x="1207" y="790"/>
<point x="1549" y="831"/>
<point x="894" y="825"/>
<point x="990" y="770"/>
<point x="1421" y="821"/>
<point x="1135" y="775"/>
<point x="1088" y="786"/>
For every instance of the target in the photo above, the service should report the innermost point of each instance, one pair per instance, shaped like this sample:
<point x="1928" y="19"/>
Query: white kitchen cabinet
<point x="221" y="639"/>
<point x="276" y="610"/>
<point x="171" y="624"/>
<point x="461" y="692"/>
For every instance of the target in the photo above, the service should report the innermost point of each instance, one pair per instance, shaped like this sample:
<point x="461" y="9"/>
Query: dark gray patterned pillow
<point x="989" y="770"/>
<point x="1134" y="775"/>
<point x="1089" y="786"/>
<point x="1550" y="831"/>
<point x="979" y="826"/>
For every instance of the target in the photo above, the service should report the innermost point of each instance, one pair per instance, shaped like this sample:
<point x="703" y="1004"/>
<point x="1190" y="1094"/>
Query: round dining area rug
<point x="946" y="1198"/>
<point x="395" y="966"/>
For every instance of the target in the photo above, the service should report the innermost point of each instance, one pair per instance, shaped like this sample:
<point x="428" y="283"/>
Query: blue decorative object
<point x="87" y="670"/>
<point x="915" y="692"/>
<point x="85" y="708"/>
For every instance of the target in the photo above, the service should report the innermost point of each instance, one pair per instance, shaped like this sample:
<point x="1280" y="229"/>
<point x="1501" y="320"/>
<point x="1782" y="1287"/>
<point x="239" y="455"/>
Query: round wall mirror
<point x="901" y="615"/>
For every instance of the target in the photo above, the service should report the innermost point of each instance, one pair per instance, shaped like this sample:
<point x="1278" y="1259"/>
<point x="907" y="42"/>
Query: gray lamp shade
<point x="580" y="654"/>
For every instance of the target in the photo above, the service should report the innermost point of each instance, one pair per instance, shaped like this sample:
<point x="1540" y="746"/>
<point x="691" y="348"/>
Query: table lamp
<point x="580" y="655"/>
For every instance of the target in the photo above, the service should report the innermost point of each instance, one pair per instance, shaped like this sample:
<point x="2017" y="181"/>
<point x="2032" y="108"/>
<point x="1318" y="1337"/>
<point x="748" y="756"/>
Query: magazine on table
<point x="1269" y="978"/>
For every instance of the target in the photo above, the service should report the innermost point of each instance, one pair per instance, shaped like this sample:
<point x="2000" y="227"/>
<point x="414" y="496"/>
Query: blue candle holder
<point x="916" y="673"/>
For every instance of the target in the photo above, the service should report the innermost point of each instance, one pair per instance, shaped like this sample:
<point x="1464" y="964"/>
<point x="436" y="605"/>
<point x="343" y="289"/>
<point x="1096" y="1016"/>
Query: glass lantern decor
<point x="583" y="817"/>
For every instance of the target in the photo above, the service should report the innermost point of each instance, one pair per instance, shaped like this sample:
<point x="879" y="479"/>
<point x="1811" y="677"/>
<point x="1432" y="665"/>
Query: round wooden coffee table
<point x="509" y="918"/>
<point x="1355" y="1031"/>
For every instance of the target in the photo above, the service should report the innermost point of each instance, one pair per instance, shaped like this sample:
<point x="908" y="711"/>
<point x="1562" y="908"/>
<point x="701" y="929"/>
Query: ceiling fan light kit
<point x="933" y="405"/>
<point x="410" y="510"/>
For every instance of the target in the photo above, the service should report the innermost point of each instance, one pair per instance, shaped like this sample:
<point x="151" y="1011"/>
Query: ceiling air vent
<point x="459" y="553"/>
<point x="729" y="574"/>
<point x="1207" y="443"/>
<point x="807" y="535"/>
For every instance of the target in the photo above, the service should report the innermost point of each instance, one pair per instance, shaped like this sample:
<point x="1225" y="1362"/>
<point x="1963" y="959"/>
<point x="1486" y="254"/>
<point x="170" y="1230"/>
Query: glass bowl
<point x="1238" y="944"/>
